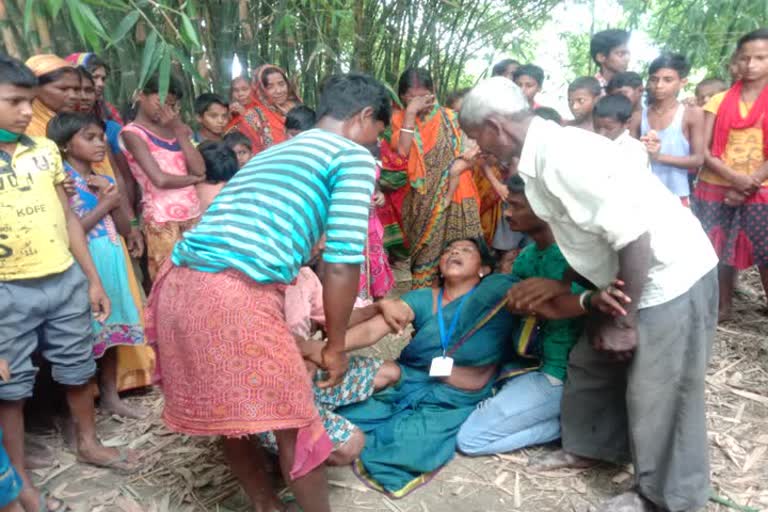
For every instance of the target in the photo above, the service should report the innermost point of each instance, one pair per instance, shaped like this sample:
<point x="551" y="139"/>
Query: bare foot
<point x="120" y="460"/>
<point x="559" y="460"/>
<point x="114" y="405"/>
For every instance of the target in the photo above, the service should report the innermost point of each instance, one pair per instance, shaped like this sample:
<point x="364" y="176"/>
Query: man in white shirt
<point x="635" y="384"/>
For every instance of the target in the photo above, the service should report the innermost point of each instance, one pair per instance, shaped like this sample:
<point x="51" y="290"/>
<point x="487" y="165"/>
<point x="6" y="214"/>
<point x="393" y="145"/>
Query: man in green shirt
<point x="526" y="410"/>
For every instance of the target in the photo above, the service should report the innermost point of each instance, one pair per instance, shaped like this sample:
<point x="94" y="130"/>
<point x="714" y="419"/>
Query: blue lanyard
<point x="446" y="337"/>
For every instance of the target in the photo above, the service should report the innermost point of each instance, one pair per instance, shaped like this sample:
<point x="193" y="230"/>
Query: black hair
<point x="345" y="95"/>
<point x="271" y="70"/>
<point x="624" y="79"/>
<point x="674" y="61"/>
<point x="500" y="67"/>
<point x="616" y="107"/>
<point x="604" y="42"/>
<point x="515" y="184"/>
<point x="234" y="138"/>
<point x="587" y="83"/>
<point x="414" y="77"/>
<point x="300" y="118"/>
<point x="531" y="70"/>
<point x="84" y="73"/>
<point x="712" y="81"/>
<point x="205" y="100"/>
<point x="549" y="114"/>
<point x="15" y="72"/>
<point x="56" y="75"/>
<point x="755" y="35"/>
<point x="456" y="96"/>
<point x="486" y="256"/>
<point x="65" y="125"/>
<point x="220" y="161"/>
<point x="153" y="87"/>
<point x="94" y="62"/>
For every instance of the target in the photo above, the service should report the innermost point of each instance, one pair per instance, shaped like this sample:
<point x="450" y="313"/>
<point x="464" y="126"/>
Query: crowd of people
<point x="565" y="275"/>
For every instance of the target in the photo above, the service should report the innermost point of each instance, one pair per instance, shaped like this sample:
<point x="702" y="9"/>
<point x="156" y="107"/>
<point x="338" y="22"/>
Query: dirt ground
<point x="186" y="474"/>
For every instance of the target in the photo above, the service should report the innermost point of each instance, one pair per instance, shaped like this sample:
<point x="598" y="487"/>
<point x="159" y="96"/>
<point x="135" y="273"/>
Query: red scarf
<point x="729" y="118"/>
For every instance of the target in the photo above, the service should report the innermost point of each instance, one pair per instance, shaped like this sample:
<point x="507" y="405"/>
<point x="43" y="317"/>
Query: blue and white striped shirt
<point x="266" y="220"/>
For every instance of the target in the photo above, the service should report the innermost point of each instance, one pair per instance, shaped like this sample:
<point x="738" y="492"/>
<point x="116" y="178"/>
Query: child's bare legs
<point x="248" y="463"/>
<point x="311" y="490"/>
<point x="89" y="448"/>
<point x="12" y="423"/>
<point x="727" y="276"/>
<point x="110" y="400"/>
<point x="388" y="375"/>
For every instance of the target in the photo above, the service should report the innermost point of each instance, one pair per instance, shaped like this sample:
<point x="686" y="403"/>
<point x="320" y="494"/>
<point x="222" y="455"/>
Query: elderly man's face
<point x="497" y="137"/>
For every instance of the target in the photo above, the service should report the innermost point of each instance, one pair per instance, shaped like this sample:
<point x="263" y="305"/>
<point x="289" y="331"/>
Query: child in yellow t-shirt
<point x="48" y="283"/>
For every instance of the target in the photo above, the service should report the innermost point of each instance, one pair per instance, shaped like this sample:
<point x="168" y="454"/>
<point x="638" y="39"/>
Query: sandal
<point x="120" y="464"/>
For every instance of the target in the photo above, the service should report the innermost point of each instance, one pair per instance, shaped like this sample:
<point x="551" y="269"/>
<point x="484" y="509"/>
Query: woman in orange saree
<point x="442" y="201"/>
<point x="263" y="118"/>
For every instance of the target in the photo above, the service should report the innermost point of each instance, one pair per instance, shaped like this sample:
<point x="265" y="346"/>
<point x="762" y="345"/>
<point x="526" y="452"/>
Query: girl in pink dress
<point x="376" y="279"/>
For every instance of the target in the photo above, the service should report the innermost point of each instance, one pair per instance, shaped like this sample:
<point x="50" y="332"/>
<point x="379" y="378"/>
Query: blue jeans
<point x="525" y="412"/>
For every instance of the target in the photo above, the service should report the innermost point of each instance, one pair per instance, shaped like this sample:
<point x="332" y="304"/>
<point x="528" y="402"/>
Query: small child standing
<point x="630" y="84"/>
<point x="612" y="117"/>
<point x="731" y="198"/>
<point x="241" y="145"/>
<point x="583" y="94"/>
<point x="220" y="166"/>
<point x="212" y="115"/>
<point x="530" y="78"/>
<point x="708" y="88"/>
<point x="49" y="286"/>
<point x="104" y="216"/>
<point x="166" y="165"/>
<point x="672" y="132"/>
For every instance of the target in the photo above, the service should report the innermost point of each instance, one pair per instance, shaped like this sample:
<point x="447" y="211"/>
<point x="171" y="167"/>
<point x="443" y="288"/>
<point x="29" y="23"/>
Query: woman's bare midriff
<point x="470" y="378"/>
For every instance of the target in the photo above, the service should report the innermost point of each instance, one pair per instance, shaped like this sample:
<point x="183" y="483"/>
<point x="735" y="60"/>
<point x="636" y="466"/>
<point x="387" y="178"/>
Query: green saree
<point x="411" y="427"/>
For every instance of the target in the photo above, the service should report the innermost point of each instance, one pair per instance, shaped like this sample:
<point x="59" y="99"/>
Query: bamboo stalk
<point x="9" y="40"/>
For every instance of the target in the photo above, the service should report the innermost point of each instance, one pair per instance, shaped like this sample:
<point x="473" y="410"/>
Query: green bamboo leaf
<point x="164" y="79"/>
<point x="29" y="8"/>
<point x="93" y="21"/>
<point x="147" y="56"/>
<point x="189" y="32"/>
<point x="124" y="27"/>
<point x="54" y="6"/>
<point x="394" y="95"/>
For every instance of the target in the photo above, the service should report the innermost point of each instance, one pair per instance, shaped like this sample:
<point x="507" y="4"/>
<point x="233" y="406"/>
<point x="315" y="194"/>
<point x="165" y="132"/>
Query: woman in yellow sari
<point x="60" y="91"/>
<point x="442" y="203"/>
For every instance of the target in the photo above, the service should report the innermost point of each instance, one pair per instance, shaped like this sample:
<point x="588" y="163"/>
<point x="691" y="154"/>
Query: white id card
<point x="441" y="367"/>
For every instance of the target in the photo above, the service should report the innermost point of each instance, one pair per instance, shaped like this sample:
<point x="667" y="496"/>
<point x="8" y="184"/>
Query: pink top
<point x="207" y="192"/>
<point x="304" y="303"/>
<point x="159" y="204"/>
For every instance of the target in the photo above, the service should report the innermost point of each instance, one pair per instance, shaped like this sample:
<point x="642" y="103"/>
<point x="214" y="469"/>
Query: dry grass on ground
<point x="185" y="474"/>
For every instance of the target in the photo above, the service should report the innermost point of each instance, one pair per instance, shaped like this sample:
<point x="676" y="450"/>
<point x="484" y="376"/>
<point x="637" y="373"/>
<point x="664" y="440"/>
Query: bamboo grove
<point x="312" y="39"/>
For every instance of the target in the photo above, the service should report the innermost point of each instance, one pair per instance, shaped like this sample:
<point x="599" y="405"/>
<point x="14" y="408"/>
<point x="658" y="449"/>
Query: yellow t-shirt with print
<point x="744" y="150"/>
<point x="33" y="228"/>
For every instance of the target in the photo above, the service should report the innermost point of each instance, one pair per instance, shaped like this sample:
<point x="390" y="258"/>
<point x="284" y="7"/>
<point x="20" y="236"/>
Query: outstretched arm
<point x="365" y="334"/>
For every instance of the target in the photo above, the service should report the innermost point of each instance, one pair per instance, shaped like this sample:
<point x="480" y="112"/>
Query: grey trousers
<point x="650" y="411"/>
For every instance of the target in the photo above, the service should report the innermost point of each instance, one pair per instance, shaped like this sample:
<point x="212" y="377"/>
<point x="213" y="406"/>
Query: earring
<point x="480" y="274"/>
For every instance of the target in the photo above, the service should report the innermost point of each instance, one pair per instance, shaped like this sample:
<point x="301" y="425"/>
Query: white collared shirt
<point x="597" y="199"/>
